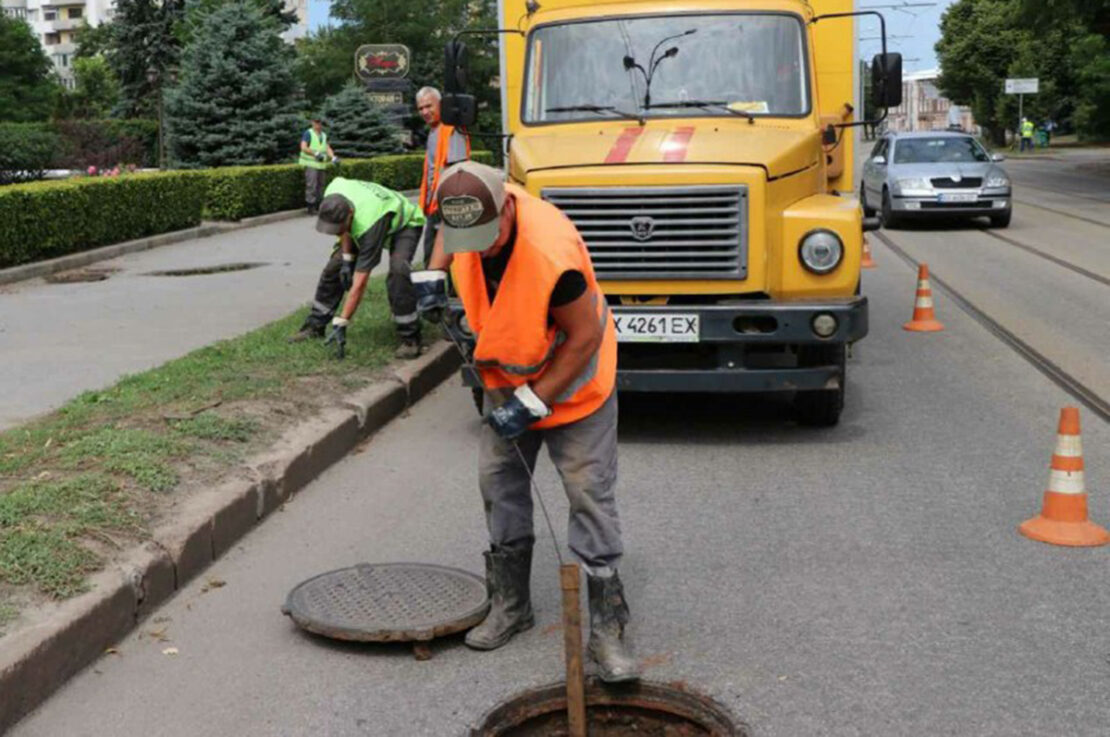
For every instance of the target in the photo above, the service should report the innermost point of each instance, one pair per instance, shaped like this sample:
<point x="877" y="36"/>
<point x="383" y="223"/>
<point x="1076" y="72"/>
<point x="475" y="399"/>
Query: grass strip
<point x="89" y="478"/>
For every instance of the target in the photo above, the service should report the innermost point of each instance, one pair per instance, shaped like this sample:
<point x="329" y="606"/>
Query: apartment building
<point x="923" y="107"/>
<point x="56" y="23"/>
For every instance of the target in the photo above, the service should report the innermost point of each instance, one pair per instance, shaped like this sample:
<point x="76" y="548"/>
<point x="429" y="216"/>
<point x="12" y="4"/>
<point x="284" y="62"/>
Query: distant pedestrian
<point x="368" y="218"/>
<point x="446" y="146"/>
<point x="1049" y="126"/>
<point x="315" y="152"/>
<point x="1027" y="130"/>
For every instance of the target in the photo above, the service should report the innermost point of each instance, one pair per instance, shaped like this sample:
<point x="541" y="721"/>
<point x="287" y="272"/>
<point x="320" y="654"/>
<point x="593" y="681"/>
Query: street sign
<point x="1022" y="86"/>
<point x="386" y="98"/>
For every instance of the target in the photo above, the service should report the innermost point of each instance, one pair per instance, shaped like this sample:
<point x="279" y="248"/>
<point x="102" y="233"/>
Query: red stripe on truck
<point x="623" y="145"/>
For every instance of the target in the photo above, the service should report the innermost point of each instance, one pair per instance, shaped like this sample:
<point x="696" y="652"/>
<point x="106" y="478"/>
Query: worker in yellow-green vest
<point x="315" y="152"/>
<point x="367" y="218"/>
<point x="1027" y="129"/>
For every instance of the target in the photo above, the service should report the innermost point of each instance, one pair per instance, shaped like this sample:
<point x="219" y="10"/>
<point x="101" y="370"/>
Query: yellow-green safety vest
<point x="317" y="143"/>
<point x="1027" y="129"/>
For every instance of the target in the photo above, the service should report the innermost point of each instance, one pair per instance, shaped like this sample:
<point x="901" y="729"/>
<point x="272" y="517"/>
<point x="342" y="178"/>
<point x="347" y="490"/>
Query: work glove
<point x="321" y="156"/>
<point x="335" y="160"/>
<point x="512" y="418"/>
<point x="338" y="335"/>
<point x="431" y="293"/>
<point x="347" y="272"/>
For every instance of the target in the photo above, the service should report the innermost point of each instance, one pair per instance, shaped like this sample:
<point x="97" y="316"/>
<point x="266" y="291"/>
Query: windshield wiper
<point x="707" y="105"/>
<point x="596" y="109"/>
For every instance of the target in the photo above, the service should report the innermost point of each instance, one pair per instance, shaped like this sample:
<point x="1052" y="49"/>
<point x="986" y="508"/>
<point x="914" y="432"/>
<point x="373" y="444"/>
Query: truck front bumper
<point x="743" y="347"/>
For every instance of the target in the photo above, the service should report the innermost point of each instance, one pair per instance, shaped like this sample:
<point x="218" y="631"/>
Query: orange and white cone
<point x="867" y="262"/>
<point x="1063" y="518"/>
<point x="924" y="321"/>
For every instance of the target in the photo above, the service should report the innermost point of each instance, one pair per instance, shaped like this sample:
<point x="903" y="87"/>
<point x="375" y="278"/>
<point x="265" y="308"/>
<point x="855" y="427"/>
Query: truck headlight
<point x="998" y="180"/>
<point x="820" y="251"/>
<point x="914" y="184"/>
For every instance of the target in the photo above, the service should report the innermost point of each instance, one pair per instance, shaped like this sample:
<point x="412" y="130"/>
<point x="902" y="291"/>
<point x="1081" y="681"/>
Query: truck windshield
<point x="739" y="63"/>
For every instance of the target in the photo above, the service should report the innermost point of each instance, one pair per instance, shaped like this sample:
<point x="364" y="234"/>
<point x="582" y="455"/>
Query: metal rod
<point x="572" y="644"/>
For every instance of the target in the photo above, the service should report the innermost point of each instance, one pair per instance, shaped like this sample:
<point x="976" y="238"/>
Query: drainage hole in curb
<point x="202" y="270"/>
<point x="644" y="709"/>
<point x="74" y="276"/>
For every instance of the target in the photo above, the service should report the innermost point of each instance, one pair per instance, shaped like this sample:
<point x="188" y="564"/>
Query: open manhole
<point x="74" y="276"/>
<point x="202" y="270"/>
<point x="643" y="709"/>
<point x="389" y="602"/>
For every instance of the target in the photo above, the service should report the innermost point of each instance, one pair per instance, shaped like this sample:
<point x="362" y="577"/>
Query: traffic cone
<point x="867" y="262"/>
<point x="924" y="321"/>
<point x="1063" y="518"/>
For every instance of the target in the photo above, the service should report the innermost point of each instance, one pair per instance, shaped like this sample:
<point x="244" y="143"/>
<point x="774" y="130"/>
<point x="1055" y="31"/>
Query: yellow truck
<point x="703" y="148"/>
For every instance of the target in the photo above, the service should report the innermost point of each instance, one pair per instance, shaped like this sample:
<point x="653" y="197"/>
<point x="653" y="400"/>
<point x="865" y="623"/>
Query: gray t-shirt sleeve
<point x="456" y="148"/>
<point x="371" y="243"/>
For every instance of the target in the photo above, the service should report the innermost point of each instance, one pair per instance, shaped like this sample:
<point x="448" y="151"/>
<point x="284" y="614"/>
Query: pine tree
<point x="142" y="52"/>
<point x="27" y="86"/>
<point x="356" y="127"/>
<point x="236" y="96"/>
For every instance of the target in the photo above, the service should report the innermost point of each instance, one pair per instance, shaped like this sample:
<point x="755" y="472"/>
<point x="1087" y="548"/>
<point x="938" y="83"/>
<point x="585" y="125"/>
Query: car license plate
<point x="672" y="327"/>
<point x="954" y="197"/>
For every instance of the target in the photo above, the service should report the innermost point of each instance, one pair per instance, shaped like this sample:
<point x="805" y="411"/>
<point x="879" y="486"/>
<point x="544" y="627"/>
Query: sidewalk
<point x="58" y="340"/>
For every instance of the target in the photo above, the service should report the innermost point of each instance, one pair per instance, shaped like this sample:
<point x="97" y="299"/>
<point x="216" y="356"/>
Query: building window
<point x="50" y="39"/>
<point x="74" y="13"/>
<point x="49" y="14"/>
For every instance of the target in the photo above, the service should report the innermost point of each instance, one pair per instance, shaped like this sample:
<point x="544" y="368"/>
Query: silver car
<point x="934" y="174"/>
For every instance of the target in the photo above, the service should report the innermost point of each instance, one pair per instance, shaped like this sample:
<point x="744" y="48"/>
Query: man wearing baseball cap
<point x="546" y="350"/>
<point x="368" y="218"/>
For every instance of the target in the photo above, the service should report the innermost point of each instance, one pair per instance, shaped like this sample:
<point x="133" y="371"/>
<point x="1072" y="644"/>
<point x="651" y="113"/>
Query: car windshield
<point x="956" y="149"/>
<point x="698" y="65"/>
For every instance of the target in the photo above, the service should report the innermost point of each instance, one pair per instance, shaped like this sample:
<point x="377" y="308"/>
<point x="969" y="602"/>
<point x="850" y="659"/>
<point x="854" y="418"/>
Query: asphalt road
<point x="58" y="340"/>
<point x="863" y="580"/>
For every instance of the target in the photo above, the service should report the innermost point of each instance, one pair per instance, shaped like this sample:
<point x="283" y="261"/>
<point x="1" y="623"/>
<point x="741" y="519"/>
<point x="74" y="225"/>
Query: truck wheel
<point x="868" y="211"/>
<point x="820" y="408"/>
<point x="1003" y="220"/>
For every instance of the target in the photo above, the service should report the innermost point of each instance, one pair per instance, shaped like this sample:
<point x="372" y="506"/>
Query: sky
<point x="920" y="26"/>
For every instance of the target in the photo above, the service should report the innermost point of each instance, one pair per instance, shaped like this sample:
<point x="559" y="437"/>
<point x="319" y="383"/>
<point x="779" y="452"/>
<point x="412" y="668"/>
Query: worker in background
<point x="315" y="154"/>
<point x="445" y="146"/>
<point x="547" y="353"/>
<point x="368" y="218"/>
<point x="1027" y="129"/>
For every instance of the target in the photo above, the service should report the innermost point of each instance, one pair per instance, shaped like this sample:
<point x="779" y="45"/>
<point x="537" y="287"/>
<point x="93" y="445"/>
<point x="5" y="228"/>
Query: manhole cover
<point x="202" y="270"/>
<point x="389" y="602"/>
<point x="644" y="709"/>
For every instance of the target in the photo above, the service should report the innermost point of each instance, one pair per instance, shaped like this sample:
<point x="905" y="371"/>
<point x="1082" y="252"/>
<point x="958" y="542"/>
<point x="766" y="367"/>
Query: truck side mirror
<point x="457" y="108"/>
<point x="886" y="80"/>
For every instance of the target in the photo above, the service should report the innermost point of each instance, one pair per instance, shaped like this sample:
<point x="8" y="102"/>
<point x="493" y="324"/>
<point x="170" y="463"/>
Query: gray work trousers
<point x="398" y="284"/>
<point x="585" y="455"/>
<point x="314" y="180"/>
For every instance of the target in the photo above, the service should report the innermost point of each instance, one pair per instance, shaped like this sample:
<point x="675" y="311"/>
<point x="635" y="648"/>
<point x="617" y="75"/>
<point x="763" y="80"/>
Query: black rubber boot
<point x="508" y="571"/>
<point x="409" y="348"/>
<point x="307" y="332"/>
<point x="608" y="617"/>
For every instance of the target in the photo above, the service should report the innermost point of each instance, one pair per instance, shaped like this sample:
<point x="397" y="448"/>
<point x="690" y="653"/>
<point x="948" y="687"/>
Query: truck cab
<point x="695" y="146"/>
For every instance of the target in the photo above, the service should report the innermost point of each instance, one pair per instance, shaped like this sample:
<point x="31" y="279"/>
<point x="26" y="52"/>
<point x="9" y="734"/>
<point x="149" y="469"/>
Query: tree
<point x="96" y="89"/>
<point x="356" y="127"/>
<point x="94" y="40"/>
<point x="325" y="62"/>
<point x="144" y="51"/>
<point x="236" y="98"/>
<point x="27" y="84"/>
<point x="196" y="10"/>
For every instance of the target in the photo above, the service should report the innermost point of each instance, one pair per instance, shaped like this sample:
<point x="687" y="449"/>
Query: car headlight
<point x="998" y="180"/>
<point x="914" y="183"/>
<point x="820" y="251"/>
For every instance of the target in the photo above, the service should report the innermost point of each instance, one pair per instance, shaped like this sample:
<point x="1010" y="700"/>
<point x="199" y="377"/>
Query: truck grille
<point x="661" y="232"/>
<point x="964" y="183"/>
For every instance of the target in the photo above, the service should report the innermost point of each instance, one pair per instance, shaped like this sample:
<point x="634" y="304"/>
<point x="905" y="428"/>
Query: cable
<point x="516" y="446"/>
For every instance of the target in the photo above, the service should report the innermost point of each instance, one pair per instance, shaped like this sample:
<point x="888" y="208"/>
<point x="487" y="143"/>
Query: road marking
<point x="1073" y="386"/>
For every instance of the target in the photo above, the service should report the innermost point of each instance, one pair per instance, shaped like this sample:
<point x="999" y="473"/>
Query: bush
<point x="49" y="219"/>
<point x="99" y="143"/>
<point x="356" y="127"/>
<point x="26" y="152"/>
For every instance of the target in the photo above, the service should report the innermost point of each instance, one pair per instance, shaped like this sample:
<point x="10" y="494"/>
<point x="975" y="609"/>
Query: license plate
<point x="656" y="328"/>
<point x="959" y="197"/>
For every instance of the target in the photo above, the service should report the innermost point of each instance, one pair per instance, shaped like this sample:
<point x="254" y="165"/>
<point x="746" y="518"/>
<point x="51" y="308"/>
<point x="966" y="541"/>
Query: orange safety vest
<point x="443" y="145"/>
<point x="515" y="340"/>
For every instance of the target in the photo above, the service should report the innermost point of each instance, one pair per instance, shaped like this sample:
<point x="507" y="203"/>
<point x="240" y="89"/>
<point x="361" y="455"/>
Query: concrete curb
<point x="37" y="660"/>
<point x="84" y="258"/>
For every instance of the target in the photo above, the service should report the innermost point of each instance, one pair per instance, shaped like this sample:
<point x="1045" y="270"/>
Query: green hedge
<point x="25" y="153"/>
<point x="49" y="219"/>
<point x="100" y="143"/>
<point x="43" y="220"/>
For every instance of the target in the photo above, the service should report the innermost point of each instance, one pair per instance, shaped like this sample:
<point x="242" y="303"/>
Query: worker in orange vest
<point x="547" y="354"/>
<point x="446" y="146"/>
